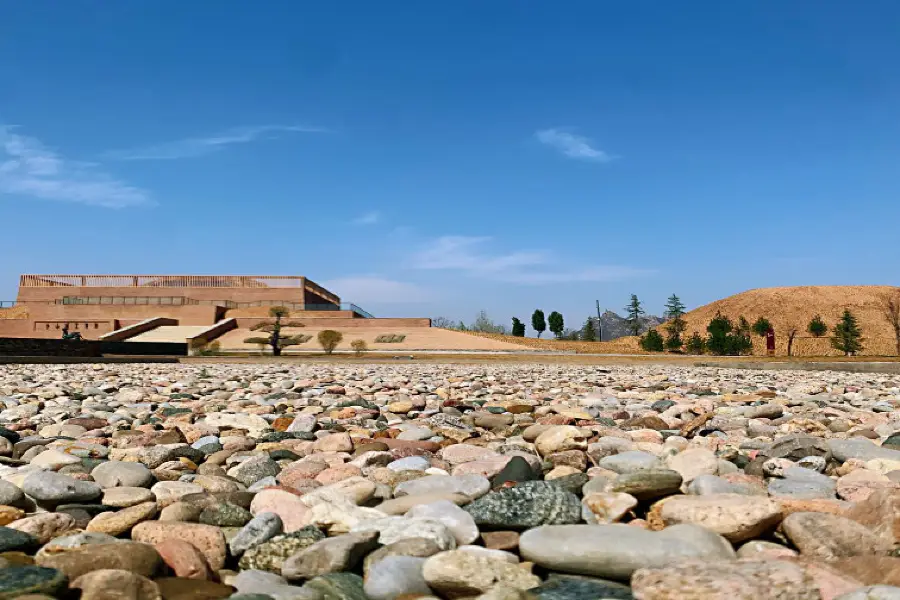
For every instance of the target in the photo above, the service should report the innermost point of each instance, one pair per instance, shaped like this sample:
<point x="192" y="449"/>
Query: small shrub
<point x="695" y="344"/>
<point x="762" y="326"/>
<point x="726" y="340"/>
<point x="652" y="341"/>
<point x="329" y="340"/>
<point x="359" y="346"/>
<point x="204" y="348"/>
<point x="390" y="338"/>
<point x="817" y="327"/>
<point x="257" y="341"/>
<point x="674" y="342"/>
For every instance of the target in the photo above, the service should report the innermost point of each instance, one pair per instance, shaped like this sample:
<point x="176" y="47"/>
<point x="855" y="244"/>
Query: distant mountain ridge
<point x="614" y="326"/>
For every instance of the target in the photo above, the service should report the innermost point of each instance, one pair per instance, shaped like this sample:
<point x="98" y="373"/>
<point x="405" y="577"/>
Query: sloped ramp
<point x="170" y="333"/>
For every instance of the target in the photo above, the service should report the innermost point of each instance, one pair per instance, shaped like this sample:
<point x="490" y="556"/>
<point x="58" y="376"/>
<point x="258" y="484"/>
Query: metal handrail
<point x="174" y="281"/>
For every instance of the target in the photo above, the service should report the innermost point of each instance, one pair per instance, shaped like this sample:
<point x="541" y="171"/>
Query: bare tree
<point x="890" y="308"/>
<point x="792" y="330"/>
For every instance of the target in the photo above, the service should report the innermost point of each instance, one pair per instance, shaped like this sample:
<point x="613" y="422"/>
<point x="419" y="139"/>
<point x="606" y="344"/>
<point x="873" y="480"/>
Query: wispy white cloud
<point x="572" y="145"/>
<point x="369" y="218"/>
<point x="378" y="290"/>
<point x="200" y="146"/>
<point x="464" y="253"/>
<point x="28" y="168"/>
<point x="469" y="256"/>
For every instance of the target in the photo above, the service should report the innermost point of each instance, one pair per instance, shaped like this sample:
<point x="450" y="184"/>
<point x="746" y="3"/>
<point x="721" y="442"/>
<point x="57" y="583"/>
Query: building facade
<point x="97" y="305"/>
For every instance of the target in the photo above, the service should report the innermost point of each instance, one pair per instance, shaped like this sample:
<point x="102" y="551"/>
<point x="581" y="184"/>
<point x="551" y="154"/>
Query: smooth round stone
<point x="104" y="584"/>
<point x="117" y="523"/>
<point x="473" y="486"/>
<point x="872" y="592"/>
<point x="45" y="526"/>
<point x="558" y="438"/>
<point x="733" y="516"/>
<point x="294" y="513"/>
<point x="252" y="583"/>
<point x="170" y="492"/>
<point x="73" y="542"/>
<point x="54" y="460"/>
<point x="458" y="521"/>
<point x="401" y="505"/>
<point x="603" y="508"/>
<point x="892" y="442"/>
<point x="417" y="547"/>
<point x="693" y="463"/>
<point x="745" y="579"/>
<point x="396" y="576"/>
<point x="647" y="484"/>
<point x="410" y="463"/>
<point x="394" y="529"/>
<point x="261" y="528"/>
<point x="123" y="497"/>
<point x="516" y="470"/>
<point x="830" y="537"/>
<point x="53" y="488"/>
<point x="10" y="495"/>
<point x="458" y="573"/>
<point x="15" y="582"/>
<point x="208" y="539"/>
<point x="331" y="555"/>
<point x="206" y="440"/>
<point x="13" y="540"/>
<point x="617" y="551"/>
<point x="706" y="485"/>
<point x="802" y="489"/>
<point x="862" y="449"/>
<point x="178" y="588"/>
<point x="630" y="461"/>
<point x="114" y="474"/>
<point x="138" y="558"/>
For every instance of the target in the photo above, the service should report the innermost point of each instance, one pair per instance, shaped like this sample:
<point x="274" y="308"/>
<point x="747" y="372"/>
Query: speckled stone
<point x="15" y="540"/>
<point x="580" y="588"/>
<point x="339" y="586"/>
<point x="225" y="515"/>
<point x="734" y="580"/>
<point x="18" y="581"/>
<point x="270" y="555"/>
<point x="528" y="504"/>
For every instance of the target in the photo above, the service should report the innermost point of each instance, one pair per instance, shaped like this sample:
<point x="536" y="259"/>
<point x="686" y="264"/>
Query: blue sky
<point x="426" y="158"/>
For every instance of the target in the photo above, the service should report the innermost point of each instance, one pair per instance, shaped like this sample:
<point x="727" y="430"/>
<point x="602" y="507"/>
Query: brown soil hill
<point x="787" y="307"/>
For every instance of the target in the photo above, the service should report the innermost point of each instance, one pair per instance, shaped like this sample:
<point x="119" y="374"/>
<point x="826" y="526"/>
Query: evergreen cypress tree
<point x="518" y="327"/>
<point x="847" y="336"/>
<point x="588" y="333"/>
<point x="635" y="311"/>
<point x="676" y="325"/>
<point x="817" y="326"/>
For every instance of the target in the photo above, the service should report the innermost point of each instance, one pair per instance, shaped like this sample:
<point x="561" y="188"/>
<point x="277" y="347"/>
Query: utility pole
<point x="599" y="324"/>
